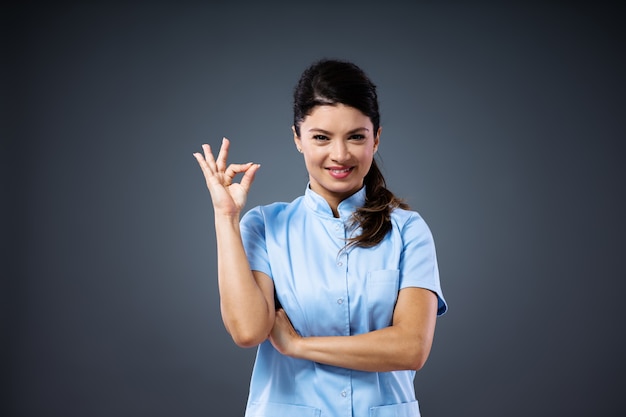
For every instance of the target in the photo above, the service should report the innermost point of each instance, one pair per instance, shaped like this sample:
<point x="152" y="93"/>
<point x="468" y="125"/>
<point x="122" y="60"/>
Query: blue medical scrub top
<point x="329" y="292"/>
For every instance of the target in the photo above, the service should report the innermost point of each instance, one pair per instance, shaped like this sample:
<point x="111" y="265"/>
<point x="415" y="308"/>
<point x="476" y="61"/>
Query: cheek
<point x="308" y="161"/>
<point x="368" y="157"/>
<point x="311" y="157"/>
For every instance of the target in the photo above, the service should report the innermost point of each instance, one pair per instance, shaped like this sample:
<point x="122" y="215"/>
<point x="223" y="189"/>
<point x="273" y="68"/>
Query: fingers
<point x="248" y="176"/>
<point x="222" y="156"/>
<point x="248" y="170"/>
<point x="212" y="167"/>
<point x="208" y="156"/>
<point x="206" y="160"/>
<point x="206" y="170"/>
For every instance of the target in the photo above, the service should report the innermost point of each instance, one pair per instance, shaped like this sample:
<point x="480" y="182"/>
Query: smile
<point x="340" y="173"/>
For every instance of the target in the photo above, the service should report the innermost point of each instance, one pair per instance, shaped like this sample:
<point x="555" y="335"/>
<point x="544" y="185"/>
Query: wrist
<point x="227" y="218"/>
<point x="298" y="347"/>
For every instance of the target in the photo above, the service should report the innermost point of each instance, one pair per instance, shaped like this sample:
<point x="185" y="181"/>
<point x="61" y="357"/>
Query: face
<point x="338" y="144"/>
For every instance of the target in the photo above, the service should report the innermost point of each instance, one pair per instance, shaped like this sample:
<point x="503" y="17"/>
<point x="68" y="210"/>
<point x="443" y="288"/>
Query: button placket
<point x="339" y="229"/>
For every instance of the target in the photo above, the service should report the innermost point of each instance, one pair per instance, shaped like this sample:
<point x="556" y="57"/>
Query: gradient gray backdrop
<point x="503" y="126"/>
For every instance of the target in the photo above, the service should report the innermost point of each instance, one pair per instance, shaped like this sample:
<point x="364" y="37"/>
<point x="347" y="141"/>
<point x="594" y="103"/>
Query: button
<point x="340" y="263"/>
<point x="337" y="227"/>
<point x="340" y="301"/>
<point x="344" y="394"/>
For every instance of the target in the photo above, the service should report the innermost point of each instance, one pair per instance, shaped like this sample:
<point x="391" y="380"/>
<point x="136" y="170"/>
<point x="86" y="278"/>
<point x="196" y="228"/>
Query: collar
<point x="318" y="204"/>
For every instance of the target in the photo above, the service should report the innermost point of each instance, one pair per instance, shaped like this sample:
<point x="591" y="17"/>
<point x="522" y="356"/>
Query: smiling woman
<point x="339" y="289"/>
<point x="338" y="145"/>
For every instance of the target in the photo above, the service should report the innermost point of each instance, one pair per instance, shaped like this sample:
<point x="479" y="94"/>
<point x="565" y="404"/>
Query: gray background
<point x="502" y="125"/>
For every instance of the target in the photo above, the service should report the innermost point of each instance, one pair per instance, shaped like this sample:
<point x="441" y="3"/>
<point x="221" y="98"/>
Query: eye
<point x="357" y="136"/>
<point x="320" y="137"/>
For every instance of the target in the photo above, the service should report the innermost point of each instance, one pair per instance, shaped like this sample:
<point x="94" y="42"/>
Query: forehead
<point x="338" y="117"/>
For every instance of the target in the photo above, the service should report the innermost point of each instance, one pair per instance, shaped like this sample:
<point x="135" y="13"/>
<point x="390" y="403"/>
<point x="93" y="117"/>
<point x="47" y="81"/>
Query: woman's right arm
<point x="246" y="297"/>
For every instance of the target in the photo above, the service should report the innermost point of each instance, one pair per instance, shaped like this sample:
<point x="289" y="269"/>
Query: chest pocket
<point x="382" y="292"/>
<point x="410" y="409"/>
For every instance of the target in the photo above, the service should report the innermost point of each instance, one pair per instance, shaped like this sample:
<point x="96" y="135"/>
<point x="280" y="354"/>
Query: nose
<point x="340" y="152"/>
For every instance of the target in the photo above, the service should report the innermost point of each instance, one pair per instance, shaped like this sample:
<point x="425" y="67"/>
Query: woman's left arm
<point x="403" y="345"/>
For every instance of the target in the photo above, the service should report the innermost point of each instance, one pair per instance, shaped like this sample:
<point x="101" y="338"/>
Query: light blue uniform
<point x="329" y="292"/>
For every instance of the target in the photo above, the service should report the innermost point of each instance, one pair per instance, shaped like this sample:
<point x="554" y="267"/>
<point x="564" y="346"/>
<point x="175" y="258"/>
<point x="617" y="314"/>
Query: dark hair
<point x="330" y="82"/>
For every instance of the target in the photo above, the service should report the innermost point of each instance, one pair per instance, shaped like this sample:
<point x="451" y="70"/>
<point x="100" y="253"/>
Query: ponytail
<point x="374" y="218"/>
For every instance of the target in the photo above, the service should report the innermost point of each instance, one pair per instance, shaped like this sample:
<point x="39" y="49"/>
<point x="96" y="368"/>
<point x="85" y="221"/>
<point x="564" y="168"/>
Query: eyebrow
<point x="357" y="130"/>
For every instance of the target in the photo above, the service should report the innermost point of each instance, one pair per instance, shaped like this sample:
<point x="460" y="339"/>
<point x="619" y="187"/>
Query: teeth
<point x="340" y="170"/>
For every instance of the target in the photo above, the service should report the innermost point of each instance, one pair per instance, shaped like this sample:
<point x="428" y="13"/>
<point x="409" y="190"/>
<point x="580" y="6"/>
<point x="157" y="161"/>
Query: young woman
<point x="339" y="288"/>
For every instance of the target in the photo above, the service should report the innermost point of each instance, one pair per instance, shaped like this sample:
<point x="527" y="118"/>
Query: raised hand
<point x="228" y="197"/>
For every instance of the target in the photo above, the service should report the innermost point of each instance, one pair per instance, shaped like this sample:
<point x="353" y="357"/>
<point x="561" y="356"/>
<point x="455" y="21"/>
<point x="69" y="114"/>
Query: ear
<point x="377" y="139"/>
<point x="296" y="139"/>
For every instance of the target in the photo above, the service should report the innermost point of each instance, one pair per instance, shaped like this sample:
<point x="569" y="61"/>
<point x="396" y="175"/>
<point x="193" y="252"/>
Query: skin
<point x="238" y="285"/>
<point x="338" y="145"/>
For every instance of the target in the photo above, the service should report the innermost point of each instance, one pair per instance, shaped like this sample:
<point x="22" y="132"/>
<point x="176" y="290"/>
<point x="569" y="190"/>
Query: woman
<point x="339" y="288"/>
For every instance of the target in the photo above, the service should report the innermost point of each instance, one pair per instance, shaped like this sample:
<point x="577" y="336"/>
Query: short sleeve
<point x="418" y="262"/>
<point x="252" y="227"/>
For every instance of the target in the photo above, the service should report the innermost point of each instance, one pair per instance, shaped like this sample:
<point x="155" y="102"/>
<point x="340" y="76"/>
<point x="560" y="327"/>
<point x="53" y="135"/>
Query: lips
<point x="340" y="172"/>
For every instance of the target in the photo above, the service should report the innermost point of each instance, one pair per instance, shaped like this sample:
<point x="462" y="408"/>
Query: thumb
<point x="248" y="176"/>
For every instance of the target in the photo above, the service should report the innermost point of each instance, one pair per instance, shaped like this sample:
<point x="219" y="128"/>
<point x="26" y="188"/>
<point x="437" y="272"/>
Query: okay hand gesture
<point x="227" y="196"/>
